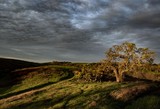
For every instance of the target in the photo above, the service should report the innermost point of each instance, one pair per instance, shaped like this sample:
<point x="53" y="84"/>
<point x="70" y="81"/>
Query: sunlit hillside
<point x="57" y="87"/>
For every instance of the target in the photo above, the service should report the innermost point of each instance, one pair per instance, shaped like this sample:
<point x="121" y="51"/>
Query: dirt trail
<point x="25" y="93"/>
<point x="22" y="95"/>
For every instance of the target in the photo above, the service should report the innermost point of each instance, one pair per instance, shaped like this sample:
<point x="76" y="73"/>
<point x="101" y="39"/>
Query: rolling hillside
<point x="55" y="87"/>
<point x="9" y="65"/>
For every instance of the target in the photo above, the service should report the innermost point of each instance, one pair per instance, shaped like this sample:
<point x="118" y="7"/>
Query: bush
<point x="93" y="72"/>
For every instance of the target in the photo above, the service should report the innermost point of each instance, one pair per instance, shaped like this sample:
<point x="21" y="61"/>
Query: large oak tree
<point x="126" y="58"/>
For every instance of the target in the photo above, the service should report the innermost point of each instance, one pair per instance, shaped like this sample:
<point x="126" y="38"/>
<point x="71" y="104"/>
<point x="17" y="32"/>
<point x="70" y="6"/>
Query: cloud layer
<point x="75" y="30"/>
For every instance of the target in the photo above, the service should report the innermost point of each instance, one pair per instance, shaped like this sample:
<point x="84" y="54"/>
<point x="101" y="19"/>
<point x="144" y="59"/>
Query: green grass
<point x="55" y="87"/>
<point x="70" y="94"/>
<point x="147" y="102"/>
<point x="41" y="77"/>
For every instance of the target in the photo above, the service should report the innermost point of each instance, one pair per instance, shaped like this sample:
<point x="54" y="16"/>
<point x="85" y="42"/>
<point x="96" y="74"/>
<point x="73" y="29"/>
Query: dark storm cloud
<point x="154" y="2"/>
<point x="146" y="21"/>
<point x="75" y="30"/>
<point x="146" y="18"/>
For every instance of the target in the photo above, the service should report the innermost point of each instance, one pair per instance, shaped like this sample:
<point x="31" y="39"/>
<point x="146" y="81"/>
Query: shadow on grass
<point x="69" y="75"/>
<point x="105" y="101"/>
<point x="87" y="98"/>
<point x="23" y="91"/>
<point x="33" y="105"/>
<point x="48" y="103"/>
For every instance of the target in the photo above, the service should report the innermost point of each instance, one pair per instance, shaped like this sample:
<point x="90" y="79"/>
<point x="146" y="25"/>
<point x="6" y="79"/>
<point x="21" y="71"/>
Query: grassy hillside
<point x="71" y="94"/>
<point x="9" y="65"/>
<point x="35" y="77"/>
<point x="54" y="86"/>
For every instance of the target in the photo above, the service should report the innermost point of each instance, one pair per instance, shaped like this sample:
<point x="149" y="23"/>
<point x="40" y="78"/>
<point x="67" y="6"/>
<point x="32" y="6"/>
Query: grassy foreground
<point x="56" y="87"/>
<point x="69" y="94"/>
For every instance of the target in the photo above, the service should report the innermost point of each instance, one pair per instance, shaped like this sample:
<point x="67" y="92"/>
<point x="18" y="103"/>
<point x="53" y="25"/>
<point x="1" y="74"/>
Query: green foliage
<point x="87" y="73"/>
<point x="93" y="72"/>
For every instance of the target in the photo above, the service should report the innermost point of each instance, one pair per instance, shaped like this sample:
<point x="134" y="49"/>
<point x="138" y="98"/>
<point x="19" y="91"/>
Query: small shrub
<point x="92" y="73"/>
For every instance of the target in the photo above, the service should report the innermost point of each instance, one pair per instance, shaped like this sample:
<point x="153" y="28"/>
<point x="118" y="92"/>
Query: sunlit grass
<point x="66" y="93"/>
<point x="53" y="87"/>
<point x="43" y="77"/>
<point x="75" y="95"/>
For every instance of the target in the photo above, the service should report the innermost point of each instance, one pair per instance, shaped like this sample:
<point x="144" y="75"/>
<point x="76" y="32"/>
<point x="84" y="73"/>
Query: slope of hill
<point x="9" y="65"/>
<point x="35" y="77"/>
<point x="55" y="87"/>
<point x="12" y="64"/>
<point x="72" y="94"/>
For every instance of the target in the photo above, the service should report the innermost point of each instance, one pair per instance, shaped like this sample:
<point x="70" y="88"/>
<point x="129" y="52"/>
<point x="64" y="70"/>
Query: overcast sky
<point x="76" y="30"/>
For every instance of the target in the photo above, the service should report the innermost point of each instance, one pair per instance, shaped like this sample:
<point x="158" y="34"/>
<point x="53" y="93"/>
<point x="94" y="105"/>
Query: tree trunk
<point x="119" y="77"/>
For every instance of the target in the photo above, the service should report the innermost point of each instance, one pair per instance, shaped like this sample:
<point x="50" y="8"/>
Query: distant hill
<point x="9" y="65"/>
<point x="12" y="64"/>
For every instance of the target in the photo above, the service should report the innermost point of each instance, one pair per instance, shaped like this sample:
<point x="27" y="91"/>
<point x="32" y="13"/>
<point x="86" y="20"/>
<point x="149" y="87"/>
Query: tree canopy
<point x="126" y="58"/>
